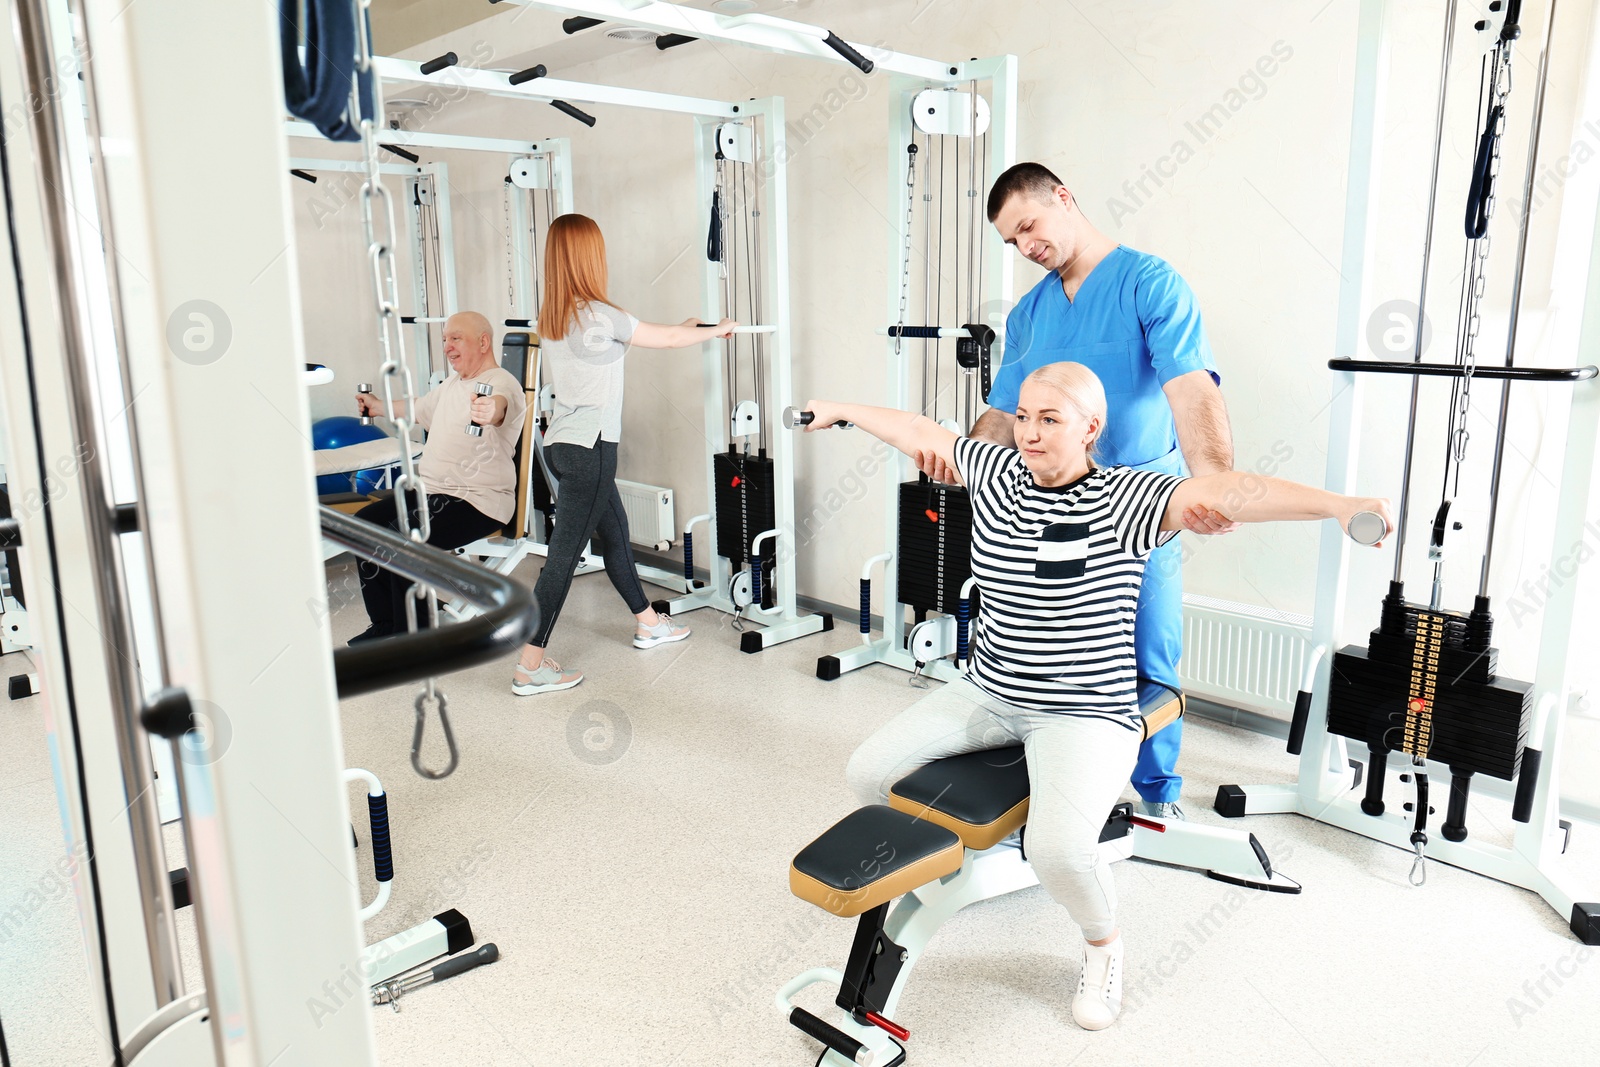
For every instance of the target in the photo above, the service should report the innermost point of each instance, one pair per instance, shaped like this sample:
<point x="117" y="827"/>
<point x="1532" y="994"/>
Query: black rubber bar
<point x="535" y="71"/>
<point x="525" y="324"/>
<point x="567" y="109"/>
<point x="408" y="320"/>
<point x="303" y="175"/>
<point x="401" y="152"/>
<point x="578" y="23"/>
<point x="928" y="332"/>
<point x="1442" y="370"/>
<point x="510" y="614"/>
<point x="673" y="40"/>
<point x="438" y="63"/>
<point x="840" y="45"/>
<point x="1527" y="782"/>
<point x="827" y="1033"/>
<point x="1297" y="724"/>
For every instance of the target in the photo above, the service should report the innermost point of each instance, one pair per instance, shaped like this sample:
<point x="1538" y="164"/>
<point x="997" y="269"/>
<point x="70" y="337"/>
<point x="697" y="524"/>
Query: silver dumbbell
<point x="794" y="418"/>
<point x="365" y="387"/>
<point x="1367" y="528"/>
<point x="482" y="389"/>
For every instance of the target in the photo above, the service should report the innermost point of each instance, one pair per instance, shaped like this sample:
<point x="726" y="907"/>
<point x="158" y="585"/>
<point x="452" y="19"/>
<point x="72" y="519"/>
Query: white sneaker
<point x="663" y="632"/>
<point x="1167" y="810"/>
<point x="549" y="678"/>
<point x="1099" y="998"/>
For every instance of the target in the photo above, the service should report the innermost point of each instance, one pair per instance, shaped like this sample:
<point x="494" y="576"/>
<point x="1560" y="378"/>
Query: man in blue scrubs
<point x="1131" y="319"/>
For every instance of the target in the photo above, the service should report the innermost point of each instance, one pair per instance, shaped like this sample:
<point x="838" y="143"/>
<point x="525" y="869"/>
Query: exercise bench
<point x="952" y="834"/>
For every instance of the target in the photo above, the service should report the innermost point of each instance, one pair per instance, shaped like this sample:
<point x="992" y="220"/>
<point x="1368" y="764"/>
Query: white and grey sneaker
<point x="663" y="632"/>
<point x="1099" y="998"/>
<point x="548" y="678"/>
<point x="1167" y="810"/>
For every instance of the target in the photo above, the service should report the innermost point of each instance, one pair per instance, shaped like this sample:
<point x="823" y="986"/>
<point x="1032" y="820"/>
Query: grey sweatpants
<point x="588" y="507"/>
<point x="1076" y="770"/>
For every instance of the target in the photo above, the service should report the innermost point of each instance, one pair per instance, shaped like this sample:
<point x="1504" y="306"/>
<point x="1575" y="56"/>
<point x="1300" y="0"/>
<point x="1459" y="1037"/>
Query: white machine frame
<point x="894" y="646"/>
<point x="1323" y="788"/>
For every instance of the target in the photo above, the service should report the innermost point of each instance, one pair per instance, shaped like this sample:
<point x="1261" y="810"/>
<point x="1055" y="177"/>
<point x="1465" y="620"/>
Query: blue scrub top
<point x="1136" y="324"/>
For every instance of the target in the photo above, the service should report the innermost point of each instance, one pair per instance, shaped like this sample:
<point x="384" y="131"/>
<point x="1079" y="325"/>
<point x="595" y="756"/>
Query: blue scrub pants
<point x="1157" y="645"/>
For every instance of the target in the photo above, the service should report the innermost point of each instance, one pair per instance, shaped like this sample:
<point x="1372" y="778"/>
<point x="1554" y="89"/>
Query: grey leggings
<point x="587" y="506"/>
<point x="1077" y="767"/>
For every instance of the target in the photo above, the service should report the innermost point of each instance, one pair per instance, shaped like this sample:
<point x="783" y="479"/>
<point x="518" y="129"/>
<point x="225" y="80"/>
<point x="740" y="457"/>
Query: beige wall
<point x="1111" y="97"/>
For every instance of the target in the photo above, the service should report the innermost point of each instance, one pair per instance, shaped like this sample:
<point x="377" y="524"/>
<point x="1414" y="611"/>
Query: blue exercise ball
<point x="337" y="431"/>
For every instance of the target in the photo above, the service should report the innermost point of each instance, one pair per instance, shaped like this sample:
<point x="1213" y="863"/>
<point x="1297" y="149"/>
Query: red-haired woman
<point x="583" y="339"/>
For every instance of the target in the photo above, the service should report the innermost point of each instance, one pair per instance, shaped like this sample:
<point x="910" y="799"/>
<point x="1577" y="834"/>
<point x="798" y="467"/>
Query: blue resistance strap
<point x="317" y="88"/>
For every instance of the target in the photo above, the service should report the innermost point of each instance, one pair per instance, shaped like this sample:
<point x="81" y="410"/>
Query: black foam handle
<point x="673" y="40"/>
<point x="382" y="851"/>
<point x="567" y="109"/>
<point x="435" y="65"/>
<point x="1527" y="782"/>
<point x="410" y="157"/>
<point x="535" y="71"/>
<point x="578" y="23"/>
<point x="827" y="1033"/>
<point x="409" y="320"/>
<point x="466" y="961"/>
<point x="927" y="332"/>
<point x="1297" y="724"/>
<point x="525" y="324"/>
<point x="838" y="44"/>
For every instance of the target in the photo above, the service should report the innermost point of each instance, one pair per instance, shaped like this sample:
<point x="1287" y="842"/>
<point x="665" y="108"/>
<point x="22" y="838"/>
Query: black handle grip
<point x="926" y="332"/>
<point x="435" y="65"/>
<point x="410" y="157"/>
<point x="578" y="23"/>
<point x="522" y="324"/>
<point x="1297" y="724"/>
<point x="510" y="614"/>
<point x="1456" y="370"/>
<point x="567" y="109"/>
<point x="838" y="44"/>
<point x="827" y="1033"/>
<point x="10" y="535"/>
<point x="408" y="320"/>
<point x="535" y="71"/>
<point x="673" y="40"/>
<point x="382" y="851"/>
<point x="465" y="962"/>
<point x="1527" y="782"/>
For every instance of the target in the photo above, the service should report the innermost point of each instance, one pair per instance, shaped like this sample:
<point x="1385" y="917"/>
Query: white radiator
<point x="650" y="517"/>
<point x="1242" y="655"/>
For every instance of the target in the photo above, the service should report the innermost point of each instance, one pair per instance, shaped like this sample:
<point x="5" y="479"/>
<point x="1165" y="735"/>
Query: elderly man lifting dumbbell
<point x="466" y="464"/>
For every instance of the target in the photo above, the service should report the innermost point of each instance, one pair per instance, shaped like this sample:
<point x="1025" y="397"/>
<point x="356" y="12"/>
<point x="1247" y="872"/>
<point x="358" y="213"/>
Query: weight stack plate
<point x="745" y="508"/>
<point x="935" y="550"/>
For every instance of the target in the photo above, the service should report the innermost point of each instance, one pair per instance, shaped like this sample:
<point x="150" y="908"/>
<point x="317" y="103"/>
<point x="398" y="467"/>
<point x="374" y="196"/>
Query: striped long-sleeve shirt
<point x="1059" y="570"/>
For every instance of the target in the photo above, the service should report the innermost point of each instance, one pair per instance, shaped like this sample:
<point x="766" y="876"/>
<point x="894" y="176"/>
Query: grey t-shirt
<point x="585" y="369"/>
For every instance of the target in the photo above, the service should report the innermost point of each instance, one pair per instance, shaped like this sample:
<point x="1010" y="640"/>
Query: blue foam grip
<point x="688" y="557"/>
<point x="866" y="605"/>
<point x="382" y="857"/>
<point x="963" y="613"/>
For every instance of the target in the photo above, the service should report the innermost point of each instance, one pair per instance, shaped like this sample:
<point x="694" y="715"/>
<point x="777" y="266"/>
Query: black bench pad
<point x="871" y="856"/>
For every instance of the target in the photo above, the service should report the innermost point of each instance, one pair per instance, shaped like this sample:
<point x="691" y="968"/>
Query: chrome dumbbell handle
<point x="365" y="387"/>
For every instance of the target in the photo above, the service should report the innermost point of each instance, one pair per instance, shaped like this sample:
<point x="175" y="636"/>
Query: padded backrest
<point x="515" y="349"/>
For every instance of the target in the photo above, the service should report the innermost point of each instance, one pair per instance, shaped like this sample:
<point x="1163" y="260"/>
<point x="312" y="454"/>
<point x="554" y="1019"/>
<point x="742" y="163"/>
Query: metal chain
<point x="395" y="369"/>
<point x="1478" y="272"/>
<point x="905" y="266"/>
<point x="511" y="243"/>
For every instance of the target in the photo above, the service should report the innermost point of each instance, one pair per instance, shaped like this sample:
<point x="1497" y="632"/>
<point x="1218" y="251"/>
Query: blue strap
<point x="317" y="89"/>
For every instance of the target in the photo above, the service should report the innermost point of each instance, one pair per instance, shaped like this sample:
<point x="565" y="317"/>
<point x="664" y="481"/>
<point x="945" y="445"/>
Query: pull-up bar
<point x="553" y="90"/>
<point x="754" y="30"/>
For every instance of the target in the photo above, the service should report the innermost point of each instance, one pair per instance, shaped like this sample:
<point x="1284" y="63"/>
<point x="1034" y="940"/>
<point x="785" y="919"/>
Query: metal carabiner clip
<point x="444" y="724"/>
<point x="1419" y="866"/>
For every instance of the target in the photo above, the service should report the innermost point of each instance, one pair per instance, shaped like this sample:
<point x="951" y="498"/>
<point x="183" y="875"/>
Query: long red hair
<point x="574" y="273"/>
